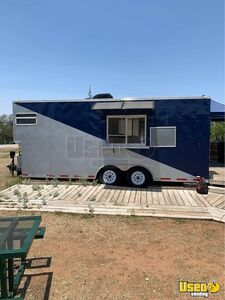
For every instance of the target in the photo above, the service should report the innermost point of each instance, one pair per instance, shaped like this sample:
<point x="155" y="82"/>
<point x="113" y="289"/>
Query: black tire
<point x="138" y="177"/>
<point x="109" y="175"/>
<point x="19" y="172"/>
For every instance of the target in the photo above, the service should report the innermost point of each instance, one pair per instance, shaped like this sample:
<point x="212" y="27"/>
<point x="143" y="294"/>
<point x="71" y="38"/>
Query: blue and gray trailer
<point x="140" y="140"/>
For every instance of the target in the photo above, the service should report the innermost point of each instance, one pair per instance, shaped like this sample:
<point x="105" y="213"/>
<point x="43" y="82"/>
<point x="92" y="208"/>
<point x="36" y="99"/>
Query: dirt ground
<point x="218" y="170"/>
<point x="114" y="257"/>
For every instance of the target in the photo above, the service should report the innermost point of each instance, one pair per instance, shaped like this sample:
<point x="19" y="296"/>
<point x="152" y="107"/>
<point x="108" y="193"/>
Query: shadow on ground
<point x="43" y="279"/>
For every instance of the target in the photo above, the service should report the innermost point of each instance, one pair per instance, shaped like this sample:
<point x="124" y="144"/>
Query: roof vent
<point x="103" y="96"/>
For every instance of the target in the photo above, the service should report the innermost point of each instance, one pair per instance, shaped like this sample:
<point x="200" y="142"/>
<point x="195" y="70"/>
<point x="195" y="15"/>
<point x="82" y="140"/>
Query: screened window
<point x="163" y="136"/>
<point x="26" y="119"/>
<point x="126" y="130"/>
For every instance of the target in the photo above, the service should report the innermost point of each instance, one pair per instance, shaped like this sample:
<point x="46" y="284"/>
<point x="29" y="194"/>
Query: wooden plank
<point x="197" y="199"/>
<point x="31" y="194"/>
<point x="166" y="196"/>
<point x="138" y="197"/>
<point x="127" y="196"/>
<point x="44" y="189"/>
<point x="172" y="197"/>
<point x="54" y="191"/>
<point x="179" y="208"/>
<point x="217" y="215"/>
<point x="142" y="211"/>
<point x="149" y="197"/>
<point x="143" y="196"/>
<point x="154" y="197"/>
<point x="219" y="202"/>
<point x="178" y="197"/>
<point x="217" y="197"/>
<point x="77" y="195"/>
<point x="168" y="212"/>
<point x="184" y="198"/>
<point x="70" y="194"/>
<point x="28" y="190"/>
<point x="110" y="195"/>
<point x="223" y="218"/>
<point x="203" y="199"/>
<point x="132" y="196"/>
<point x="99" y="193"/>
<point x="87" y="194"/>
<point x="12" y="197"/>
<point x="73" y="192"/>
<point x="190" y="199"/>
<point x="121" y="195"/>
<point x="160" y="196"/>
<point x="212" y="202"/>
<point x="115" y="196"/>
<point x="184" y="214"/>
<point x="96" y="190"/>
<point x="68" y="189"/>
<point x="211" y="197"/>
<point x="222" y="205"/>
<point x="105" y="196"/>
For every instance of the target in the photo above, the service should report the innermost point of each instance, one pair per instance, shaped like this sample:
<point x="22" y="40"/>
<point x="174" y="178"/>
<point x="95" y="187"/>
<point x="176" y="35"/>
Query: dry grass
<point x="6" y="179"/>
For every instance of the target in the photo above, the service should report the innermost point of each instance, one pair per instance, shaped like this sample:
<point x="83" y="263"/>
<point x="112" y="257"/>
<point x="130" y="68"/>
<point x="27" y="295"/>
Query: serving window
<point x="163" y="136"/>
<point x="126" y="130"/>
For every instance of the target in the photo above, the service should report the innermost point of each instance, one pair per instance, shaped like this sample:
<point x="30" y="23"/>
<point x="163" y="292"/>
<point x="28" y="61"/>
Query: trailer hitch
<point x="12" y="167"/>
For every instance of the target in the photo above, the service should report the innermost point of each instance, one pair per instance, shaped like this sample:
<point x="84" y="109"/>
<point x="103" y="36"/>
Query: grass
<point x="56" y="194"/>
<point x="93" y="199"/>
<point x="87" y="216"/>
<point x="180" y="220"/>
<point x="44" y="202"/>
<point x="37" y="187"/>
<point x="84" y="181"/>
<point x="133" y="217"/>
<point x="91" y="210"/>
<point x="47" y="181"/>
<point x="4" y="155"/>
<point x="10" y="181"/>
<point x="54" y="182"/>
<point x="17" y="193"/>
<point x="94" y="182"/>
<point x="26" y="181"/>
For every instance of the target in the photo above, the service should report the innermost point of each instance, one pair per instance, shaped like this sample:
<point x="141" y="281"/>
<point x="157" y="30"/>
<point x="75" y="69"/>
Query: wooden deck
<point x="155" y="201"/>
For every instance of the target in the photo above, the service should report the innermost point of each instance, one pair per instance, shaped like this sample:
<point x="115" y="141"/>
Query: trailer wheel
<point x="138" y="177"/>
<point x="109" y="175"/>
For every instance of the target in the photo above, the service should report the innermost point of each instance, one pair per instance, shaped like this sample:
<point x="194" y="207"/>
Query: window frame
<point x="24" y="117"/>
<point x="126" y="117"/>
<point x="164" y="146"/>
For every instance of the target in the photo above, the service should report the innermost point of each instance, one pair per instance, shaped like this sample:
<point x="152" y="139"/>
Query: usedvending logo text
<point x="199" y="289"/>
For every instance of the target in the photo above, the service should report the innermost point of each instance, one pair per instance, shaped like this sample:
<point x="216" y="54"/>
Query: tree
<point x="217" y="131"/>
<point x="6" y="129"/>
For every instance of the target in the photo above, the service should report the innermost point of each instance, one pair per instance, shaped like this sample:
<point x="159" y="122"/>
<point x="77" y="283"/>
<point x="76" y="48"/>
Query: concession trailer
<point x="139" y="140"/>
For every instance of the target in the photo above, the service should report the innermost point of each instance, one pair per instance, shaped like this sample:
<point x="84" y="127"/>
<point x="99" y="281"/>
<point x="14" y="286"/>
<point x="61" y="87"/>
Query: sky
<point x="51" y="49"/>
